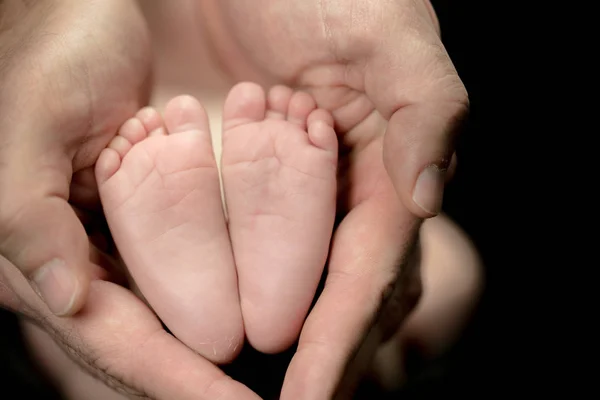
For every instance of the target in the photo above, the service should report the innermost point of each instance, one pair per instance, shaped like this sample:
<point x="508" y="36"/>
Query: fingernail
<point x="56" y="285"/>
<point x="429" y="189"/>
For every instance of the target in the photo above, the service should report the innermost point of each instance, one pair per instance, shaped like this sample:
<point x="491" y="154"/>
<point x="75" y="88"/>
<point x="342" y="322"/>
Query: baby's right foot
<point x="159" y="186"/>
<point x="279" y="174"/>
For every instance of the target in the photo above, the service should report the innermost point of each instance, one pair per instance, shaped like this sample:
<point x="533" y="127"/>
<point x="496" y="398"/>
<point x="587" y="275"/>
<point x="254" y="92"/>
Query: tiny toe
<point x="185" y="114"/>
<point x="152" y="121"/>
<point x="278" y="100"/>
<point x="120" y="145"/>
<point x="245" y="103"/>
<point x="162" y="131"/>
<point x="301" y="105"/>
<point x="107" y="165"/>
<point x="321" y="132"/>
<point x="133" y="131"/>
<point x="320" y="115"/>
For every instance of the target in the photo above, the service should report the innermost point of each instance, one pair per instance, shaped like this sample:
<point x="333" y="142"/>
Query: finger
<point x="117" y="334"/>
<point x="367" y="251"/>
<point x="39" y="231"/>
<point x="425" y="102"/>
<point x="418" y="154"/>
<point x="452" y="285"/>
<point x="117" y="339"/>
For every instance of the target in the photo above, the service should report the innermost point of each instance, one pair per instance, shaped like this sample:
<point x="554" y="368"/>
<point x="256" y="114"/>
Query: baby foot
<point x="159" y="186"/>
<point x="279" y="176"/>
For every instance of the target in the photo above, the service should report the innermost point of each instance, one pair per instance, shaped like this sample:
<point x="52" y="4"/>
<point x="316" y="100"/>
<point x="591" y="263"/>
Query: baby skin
<point x="159" y="185"/>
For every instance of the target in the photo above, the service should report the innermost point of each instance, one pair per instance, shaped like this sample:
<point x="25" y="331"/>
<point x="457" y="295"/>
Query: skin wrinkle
<point x="93" y="365"/>
<point x="152" y="173"/>
<point x="417" y="46"/>
<point x="172" y="228"/>
<point x="89" y="363"/>
<point x="8" y="223"/>
<point x="325" y="27"/>
<point x="164" y="177"/>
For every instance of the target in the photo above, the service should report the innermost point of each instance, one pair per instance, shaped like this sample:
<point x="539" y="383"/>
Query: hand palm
<point x="365" y="62"/>
<point x="97" y="55"/>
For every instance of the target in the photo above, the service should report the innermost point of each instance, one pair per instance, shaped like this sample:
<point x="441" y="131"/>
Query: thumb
<point x="39" y="231"/>
<point x="425" y="103"/>
<point x="418" y="152"/>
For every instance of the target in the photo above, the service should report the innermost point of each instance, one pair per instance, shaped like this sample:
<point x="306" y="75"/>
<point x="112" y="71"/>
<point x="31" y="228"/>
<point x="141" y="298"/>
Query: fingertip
<point x="107" y="165"/>
<point x="322" y="135"/>
<point x="62" y="289"/>
<point x="428" y="192"/>
<point x="418" y="160"/>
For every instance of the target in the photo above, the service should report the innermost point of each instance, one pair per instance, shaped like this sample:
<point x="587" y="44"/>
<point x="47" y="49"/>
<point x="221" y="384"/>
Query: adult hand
<point x="71" y="72"/>
<point x="397" y="100"/>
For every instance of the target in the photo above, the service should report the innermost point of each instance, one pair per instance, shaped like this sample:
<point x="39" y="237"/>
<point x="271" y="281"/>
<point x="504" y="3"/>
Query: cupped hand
<point x="381" y="69"/>
<point x="71" y="73"/>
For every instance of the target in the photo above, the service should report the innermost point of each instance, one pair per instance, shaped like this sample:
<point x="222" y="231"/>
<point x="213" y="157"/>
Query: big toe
<point x="184" y="114"/>
<point x="245" y="103"/>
